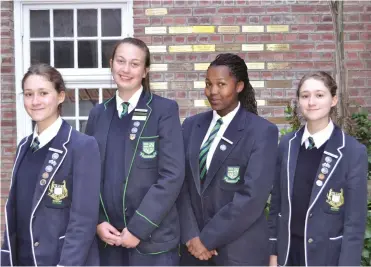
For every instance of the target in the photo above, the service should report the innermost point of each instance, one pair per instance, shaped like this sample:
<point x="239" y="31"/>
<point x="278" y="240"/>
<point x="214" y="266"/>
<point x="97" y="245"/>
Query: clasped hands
<point x="198" y="250"/>
<point x="113" y="237"/>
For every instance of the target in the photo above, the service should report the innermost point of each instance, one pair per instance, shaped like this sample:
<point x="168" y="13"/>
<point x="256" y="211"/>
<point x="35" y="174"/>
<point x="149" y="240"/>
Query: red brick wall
<point x="7" y="106"/>
<point x="309" y="37"/>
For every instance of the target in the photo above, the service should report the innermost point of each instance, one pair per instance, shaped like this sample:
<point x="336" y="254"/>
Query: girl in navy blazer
<point x="230" y="163"/>
<point x="52" y="209"/>
<point x="140" y="140"/>
<point x="319" y="201"/>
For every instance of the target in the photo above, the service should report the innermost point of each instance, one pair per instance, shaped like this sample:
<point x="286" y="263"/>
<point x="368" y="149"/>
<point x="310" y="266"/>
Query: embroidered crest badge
<point x="58" y="192"/>
<point x="148" y="150"/>
<point x="335" y="199"/>
<point x="233" y="174"/>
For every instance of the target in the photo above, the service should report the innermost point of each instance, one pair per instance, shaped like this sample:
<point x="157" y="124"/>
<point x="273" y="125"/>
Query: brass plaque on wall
<point x="255" y="65"/>
<point x="229" y="29"/>
<point x="227" y="47"/>
<point x="277" y="47"/>
<point x="201" y="66"/>
<point x="252" y="47"/>
<point x="274" y="65"/>
<point x="180" y="30"/>
<point x="279" y="84"/>
<point x="252" y="28"/>
<point x="203" y="48"/>
<point x="155" y="30"/>
<point x="158" y="85"/>
<point x="156" y="11"/>
<point x="180" y="48"/>
<point x="277" y="28"/>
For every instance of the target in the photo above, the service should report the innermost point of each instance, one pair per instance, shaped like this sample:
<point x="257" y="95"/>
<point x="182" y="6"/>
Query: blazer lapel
<point x="139" y="120"/>
<point x="202" y="125"/>
<point x="330" y="160"/>
<point x="104" y="124"/>
<point x="54" y="158"/>
<point x="229" y="140"/>
<point x="293" y="153"/>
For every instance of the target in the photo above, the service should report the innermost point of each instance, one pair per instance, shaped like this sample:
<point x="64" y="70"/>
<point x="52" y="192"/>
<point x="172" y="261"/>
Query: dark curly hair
<point x="238" y="69"/>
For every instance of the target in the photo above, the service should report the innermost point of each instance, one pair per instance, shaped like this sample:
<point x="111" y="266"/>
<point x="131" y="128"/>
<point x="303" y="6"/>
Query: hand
<point x="108" y="234"/>
<point x="273" y="260"/>
<point x="198" y="250"/>
<point x="128" y="240"/>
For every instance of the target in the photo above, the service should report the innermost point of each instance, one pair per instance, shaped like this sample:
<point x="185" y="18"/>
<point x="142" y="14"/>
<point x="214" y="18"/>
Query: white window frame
<point x="84" y="78"/>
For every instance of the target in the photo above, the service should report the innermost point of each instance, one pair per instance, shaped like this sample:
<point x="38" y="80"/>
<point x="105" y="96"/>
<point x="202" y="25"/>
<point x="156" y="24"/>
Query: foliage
<point x="292" y="117"/>
<point x="361" y="130"/>
<point x="366" y="253"/>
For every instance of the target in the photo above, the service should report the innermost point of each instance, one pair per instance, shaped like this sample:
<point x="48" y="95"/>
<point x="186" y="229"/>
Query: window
<point x="77" y="38"/>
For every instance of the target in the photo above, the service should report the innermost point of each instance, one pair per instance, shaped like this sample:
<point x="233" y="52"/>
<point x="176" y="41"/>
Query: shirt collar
<point x="320" y="137"/>
<point x="227" y="118"/>
<point x="49" y="133"/>
<point x="133" y="101"/>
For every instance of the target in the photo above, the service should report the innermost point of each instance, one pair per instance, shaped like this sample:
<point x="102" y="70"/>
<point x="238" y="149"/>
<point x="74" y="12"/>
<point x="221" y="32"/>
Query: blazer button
<point x="310" y="215"/>
<point x="36" y="244"/>
<point x="310" y="240"/>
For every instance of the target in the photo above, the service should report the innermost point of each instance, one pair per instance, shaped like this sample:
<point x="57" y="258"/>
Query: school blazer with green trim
<point x="154" y="173"/>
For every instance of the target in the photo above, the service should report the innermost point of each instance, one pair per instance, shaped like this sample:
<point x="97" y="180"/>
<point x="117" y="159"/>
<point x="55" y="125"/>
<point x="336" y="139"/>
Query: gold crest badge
<point x="335" y="199"/>
<point x="58" y="192"/>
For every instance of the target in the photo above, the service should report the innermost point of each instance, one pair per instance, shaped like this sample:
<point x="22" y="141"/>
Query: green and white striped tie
<point x="125" y="107"/>
<point x="311" y="143"/>
<point x="35" y="145"/>
<point x="206" y="147"/>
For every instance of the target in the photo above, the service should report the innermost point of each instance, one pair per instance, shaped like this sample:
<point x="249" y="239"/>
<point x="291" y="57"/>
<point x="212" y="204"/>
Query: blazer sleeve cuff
<point x="273" y="246"/>
<point x="141" y="226"/>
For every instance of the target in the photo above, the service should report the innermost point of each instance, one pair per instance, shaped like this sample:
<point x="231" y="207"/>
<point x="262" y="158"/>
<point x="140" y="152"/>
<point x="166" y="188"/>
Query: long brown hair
<point x="140" y="44"/>
<point x="51" y="74"/>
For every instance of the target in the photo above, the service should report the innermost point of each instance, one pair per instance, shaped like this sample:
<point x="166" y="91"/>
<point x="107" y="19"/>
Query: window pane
<point x="88" y="99"/>
<point x="63" y="23"/>
<point x="68" y="106"/>
<point x="40" y="52"/>
<point x="87" y="54"/>
<point x="72" y="123"/>
<point x="107" y="48"/>
<point x="82" y="125"/>
<point x="39" y="23"/>
<point x="111" y="22"/>
<point x="63" y="54"/>
<point x="108" y="93"/>
<point x="87" y="22"/>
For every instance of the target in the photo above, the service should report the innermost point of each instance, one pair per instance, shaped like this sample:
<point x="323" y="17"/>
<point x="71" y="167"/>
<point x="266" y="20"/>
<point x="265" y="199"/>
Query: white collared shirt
<point x="320" y="137"/>
<point x="49" y="133"/>
<point x="226" y="121"/>
<point x="133" y="101"/>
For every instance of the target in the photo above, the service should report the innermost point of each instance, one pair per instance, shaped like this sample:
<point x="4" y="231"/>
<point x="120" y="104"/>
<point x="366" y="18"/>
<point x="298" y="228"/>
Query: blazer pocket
<point x="147" y="151"/>
<point x="333" y="250"/>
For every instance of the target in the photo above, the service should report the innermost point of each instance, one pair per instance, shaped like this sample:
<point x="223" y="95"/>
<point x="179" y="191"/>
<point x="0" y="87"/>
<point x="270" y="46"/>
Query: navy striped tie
<point x="35" y="145"/>
<point x="125" y="107"/>
<point x="206" y="147"/>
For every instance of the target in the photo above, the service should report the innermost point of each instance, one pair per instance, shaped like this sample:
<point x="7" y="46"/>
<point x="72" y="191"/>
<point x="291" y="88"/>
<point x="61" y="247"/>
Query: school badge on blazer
<point x="148" y="150"/>
<point x="233" y="175"/>
<point x="335" y="199"/>
<point x="58" y="192"/>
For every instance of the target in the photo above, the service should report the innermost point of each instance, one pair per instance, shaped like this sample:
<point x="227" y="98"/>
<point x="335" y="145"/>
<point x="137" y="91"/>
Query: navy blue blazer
<point x="152" y="184"/>
<point x="336" y="218"/>
<point x="65" y="204"/>
<point x="227" y="211"/>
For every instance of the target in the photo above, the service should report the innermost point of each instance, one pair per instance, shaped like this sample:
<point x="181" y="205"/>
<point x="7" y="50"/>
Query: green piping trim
<point x="104" y="209"/>
<point x="149" y="137"/>
<point x="153" y="253"/>
<point x="105" y="213"/>
<point x="140" y="214"/>
<point x="105" y="103"/>
<point x="132" y="160"/>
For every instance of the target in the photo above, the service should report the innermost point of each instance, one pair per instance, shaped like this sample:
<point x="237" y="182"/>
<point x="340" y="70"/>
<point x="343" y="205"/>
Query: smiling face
<point x="128" y="67"/>
<point x="41" y="100"/>
<point x="316" y="101"/>
<point x="222" y="89"/>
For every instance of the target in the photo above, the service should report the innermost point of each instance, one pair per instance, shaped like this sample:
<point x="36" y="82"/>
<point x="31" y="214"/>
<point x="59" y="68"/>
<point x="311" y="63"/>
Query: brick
<point x="180" y="11"/>
<point x="204" y="11"/>
<point x="303" y="9"/>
